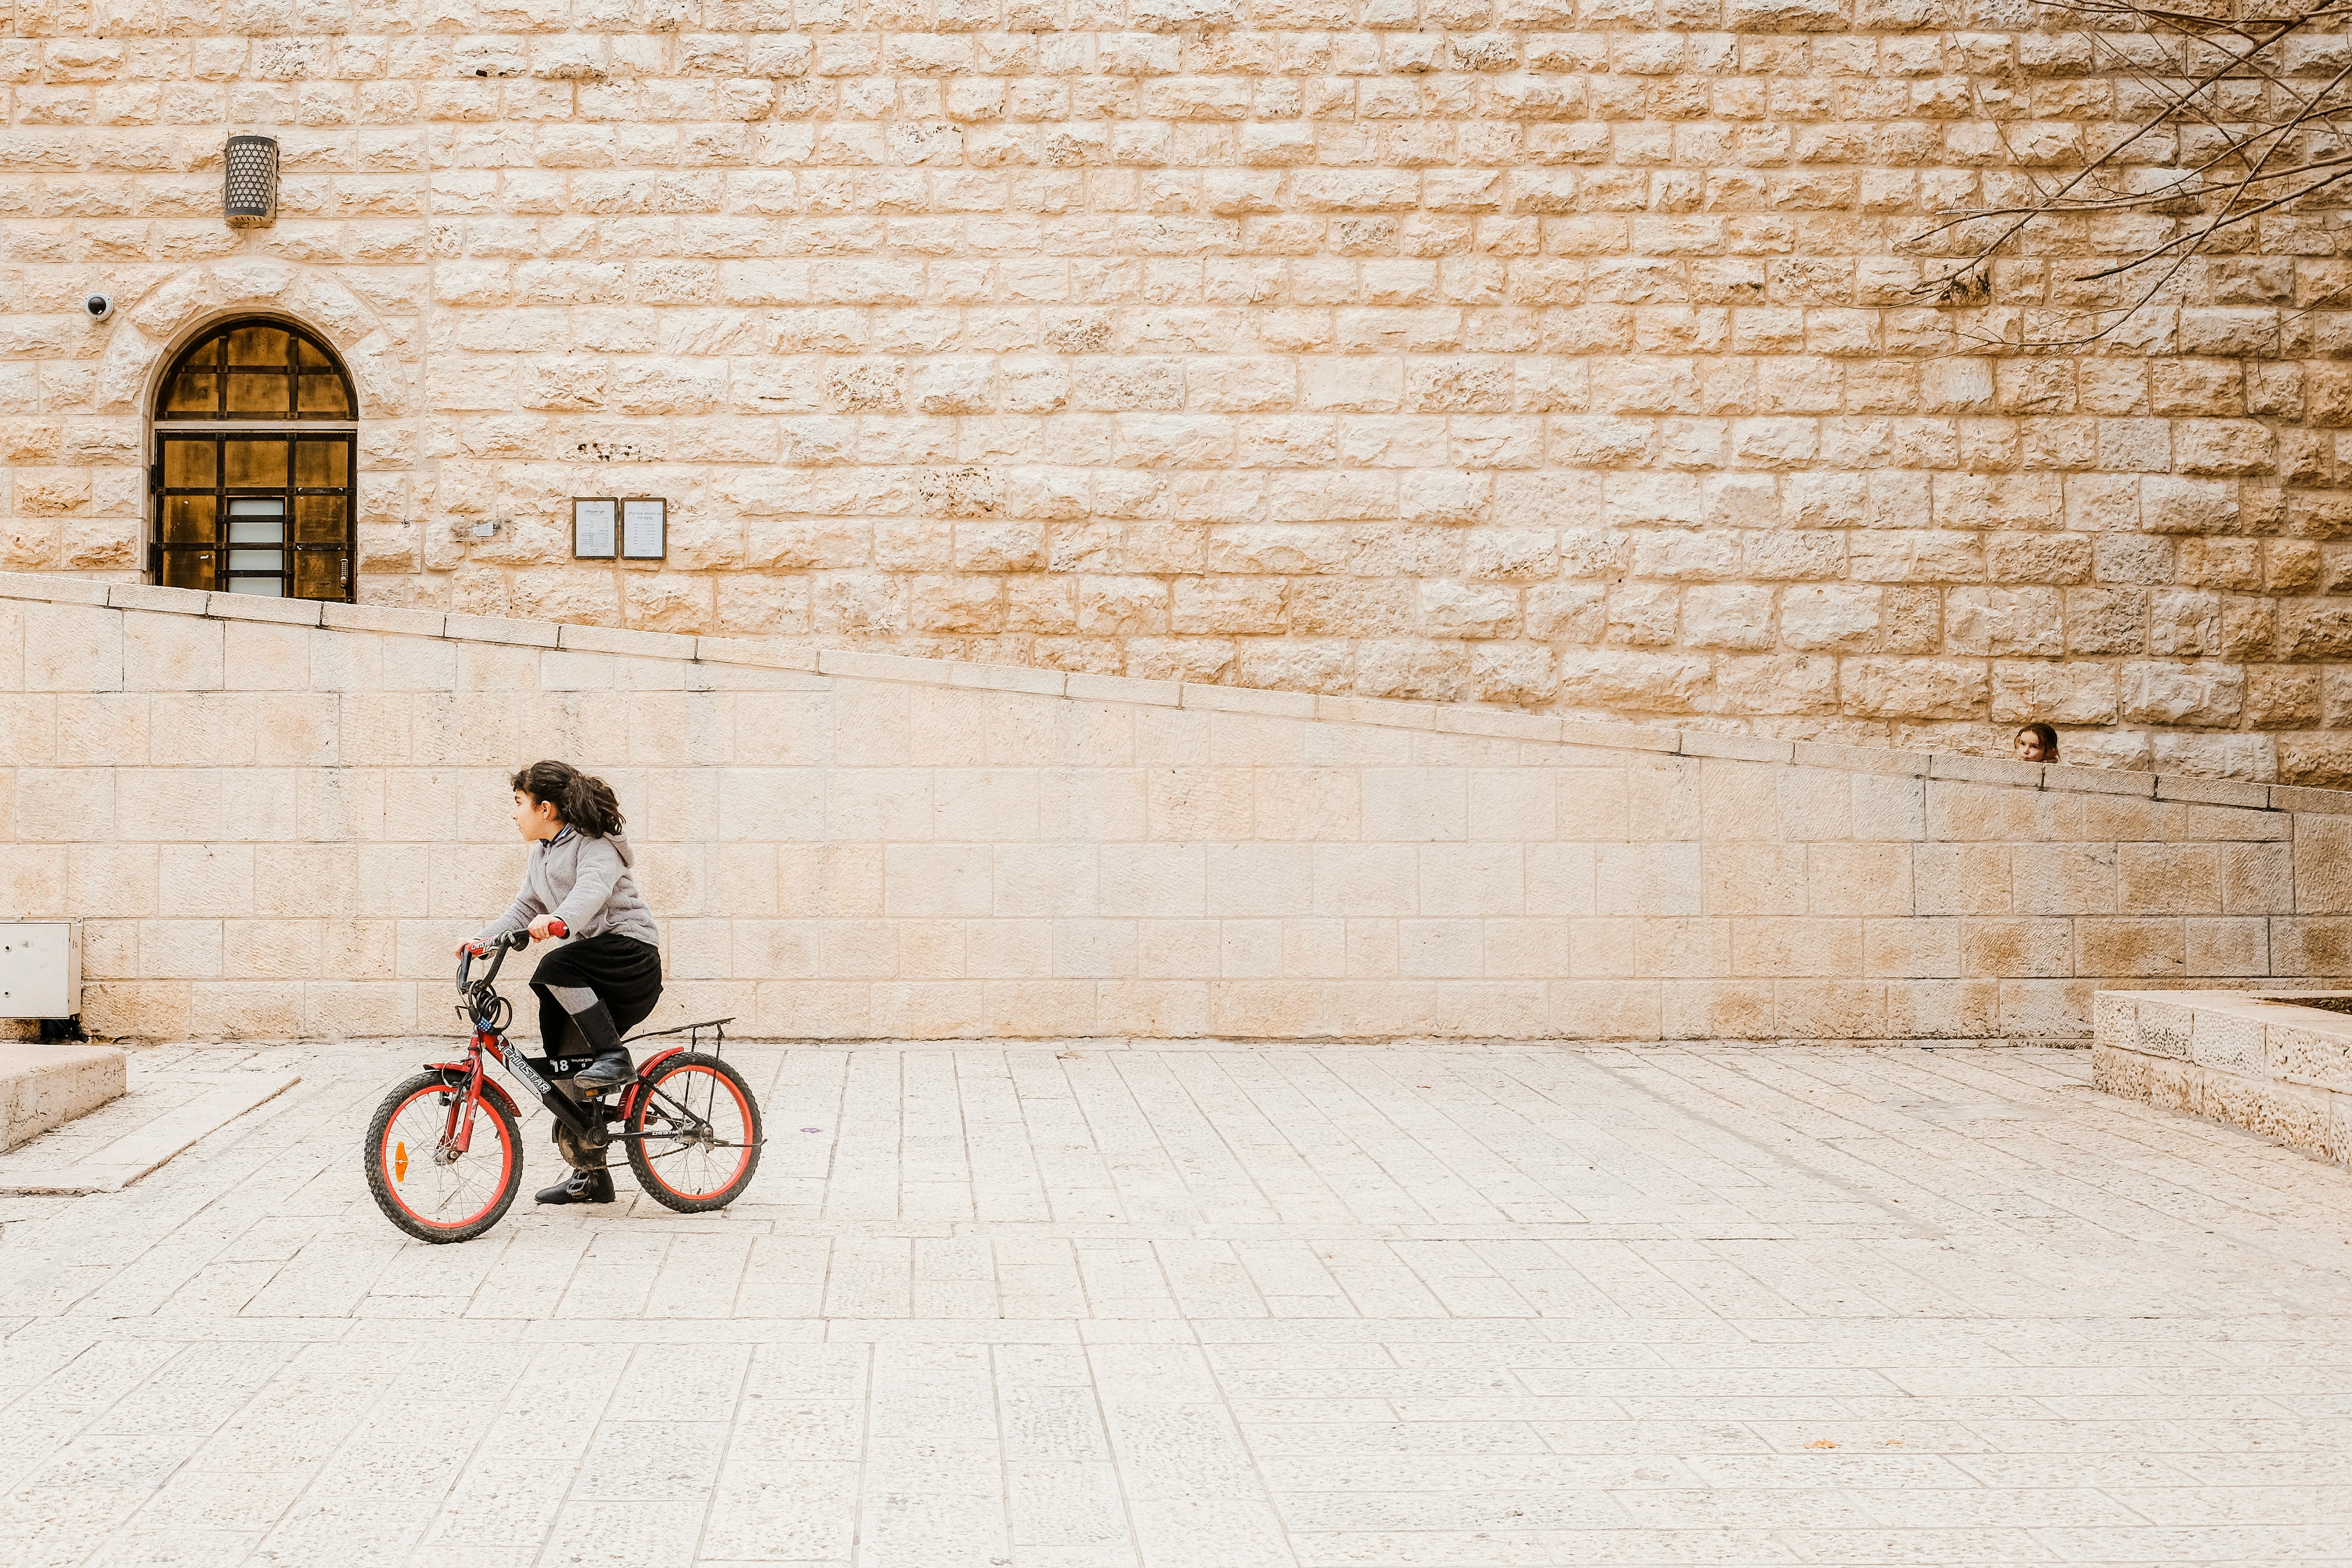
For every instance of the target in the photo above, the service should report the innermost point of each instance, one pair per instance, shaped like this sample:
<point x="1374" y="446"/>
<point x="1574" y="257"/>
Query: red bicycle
<point x="444" y="1154"/>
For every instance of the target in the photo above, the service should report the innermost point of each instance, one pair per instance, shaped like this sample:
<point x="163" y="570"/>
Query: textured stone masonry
<point x="2263" y="1063"/>
<point x="1561" y="356"/>
<point x="273" y="819"/>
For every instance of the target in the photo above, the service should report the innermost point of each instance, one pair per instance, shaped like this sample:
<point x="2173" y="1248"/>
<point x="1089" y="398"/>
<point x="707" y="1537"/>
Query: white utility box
<point x="40" y="969"/>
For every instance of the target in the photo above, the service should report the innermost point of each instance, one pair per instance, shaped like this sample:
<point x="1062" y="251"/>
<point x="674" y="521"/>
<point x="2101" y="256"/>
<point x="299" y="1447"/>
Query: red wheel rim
<point x="401" y="1153"/>
<point x="665" y="1166"/>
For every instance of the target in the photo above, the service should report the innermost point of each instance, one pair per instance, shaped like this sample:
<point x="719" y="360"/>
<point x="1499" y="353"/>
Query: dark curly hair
<point x="582" y="800"/>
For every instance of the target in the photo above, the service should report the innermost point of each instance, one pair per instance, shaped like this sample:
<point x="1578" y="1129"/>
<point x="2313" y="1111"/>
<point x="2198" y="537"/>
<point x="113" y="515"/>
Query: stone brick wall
<point x="1558" y="355"/>
<point x="270" y="826"/>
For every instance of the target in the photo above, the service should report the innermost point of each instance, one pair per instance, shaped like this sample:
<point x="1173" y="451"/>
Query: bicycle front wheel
<point x="433" y="1195"/>
<point x="700" y="1129"/>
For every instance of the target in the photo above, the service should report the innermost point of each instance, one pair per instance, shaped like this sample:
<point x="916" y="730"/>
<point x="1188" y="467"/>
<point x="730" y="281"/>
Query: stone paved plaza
<point x="1125" y="1308"/>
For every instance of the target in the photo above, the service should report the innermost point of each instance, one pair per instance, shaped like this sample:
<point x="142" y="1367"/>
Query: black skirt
<point x="624" y="973"/>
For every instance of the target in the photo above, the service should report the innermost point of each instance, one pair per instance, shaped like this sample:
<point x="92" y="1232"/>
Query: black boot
<point x="593" y="1025"/>
<point x="585" y="1187"/>
<point x="607" y="1071"/>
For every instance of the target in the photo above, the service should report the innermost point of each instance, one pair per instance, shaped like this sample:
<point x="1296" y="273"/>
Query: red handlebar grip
<point x="557" y="929"/>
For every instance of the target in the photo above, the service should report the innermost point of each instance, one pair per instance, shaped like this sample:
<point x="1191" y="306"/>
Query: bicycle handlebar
<point x="513" y="941"/>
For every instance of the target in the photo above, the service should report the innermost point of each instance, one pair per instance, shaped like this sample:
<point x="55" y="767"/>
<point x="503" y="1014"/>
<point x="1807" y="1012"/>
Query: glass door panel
<point x="256" y="520"/>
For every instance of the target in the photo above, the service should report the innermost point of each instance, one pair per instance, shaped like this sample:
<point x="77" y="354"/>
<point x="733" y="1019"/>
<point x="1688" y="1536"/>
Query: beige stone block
<point x="1439" y="949"/>
<point x="1604" y="1010"/>
<point x="179" y="949"/>
<point x="845" y="950"/>
<point x="1472" y="880"/>
<point x="1816" y="805"/>
<point x="815" y="1010"/>
<point x="1859" y="879"/>
<point x="772" y="950"/>
<point x="2009" y="948"/>
<point x="771" y="804"/>
<point x="259" y="657"/>
<point x="2226" y="1042"/>
<point x="204" y="729"/>
<point x="2151" y="948"/>
<point x="884" y="805"/>
<point x="1593" y="804"/>
<point x="246" y="1010"/>
<point x="67" y="805"/>
<point x="1966" y="813"/>
<point x="73" y="648"/>
<point x="1415" y="805"/>
<point x="1200" y="804"/>
<point x="1831" y="1009"/>
<point x="1093" y="804"/>
<point x="33" y="879"/>
<point x="1261" y="1009"/>
<point x="1029" y="1009"/>
<point x="1513" y="805"/>
<point x="1152" y="881"/>
<point x="205" y="880"/>
<point x="1773" y="948"/>
<point x="929" y="1010"/>
<point x="1889" y="808"/>
<point x="1366" y="880"/>
<point x="2065" y="879"/>
<point x="783" y="729"/>
<point x="1716" y="1010"/>
<point x="1178" y="949"/>
<point x="931" y="950"/>
<point x="1918" y="949"/>
<point x="1560" y="881"/>
<point x="985" y="804"/>
<point x="926" y="879"/>
<point x="383" y="618"/>
<point x="1526" y="948"/>
<point x="1306" y="803"/>
<point x="136" y="1010"/>
<point x="2257" y="879"/>
<point x="105" y="878"/>
<point x="1944" y="1009"/>
<point x="841" y="881"/>
<point x="1010" y="948"/>
<point x="1647" y="879"/>
<point x="173" y="653"/>
<point x="254" y="607"/>
<point x="1674" y="949"/>
<point x="2236" y="947"/>
<point x="1314" y="948"/>
<point x="1663" y="797"/>
<point x="255" y="805"/>
<point x="1153" y="1009"/>
<point x="1749" y="878"/>
<point x="2168" y="879"/>
<point x="1740" y="801"/>
<point x="1259" y="880"/>
<point x="2318" y="1056"/>
<point x="1033" y="879"/>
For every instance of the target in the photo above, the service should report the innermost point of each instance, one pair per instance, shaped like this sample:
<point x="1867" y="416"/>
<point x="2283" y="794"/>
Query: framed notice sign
<point x="644" y="529"/>
<point x="592" y="526"/>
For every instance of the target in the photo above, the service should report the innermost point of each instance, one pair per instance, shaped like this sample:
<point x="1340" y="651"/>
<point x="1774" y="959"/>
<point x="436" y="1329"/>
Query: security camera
<point x="99" y="306"/>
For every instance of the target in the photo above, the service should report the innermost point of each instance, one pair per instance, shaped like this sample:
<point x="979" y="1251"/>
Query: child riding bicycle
<point x="607" y="976"/>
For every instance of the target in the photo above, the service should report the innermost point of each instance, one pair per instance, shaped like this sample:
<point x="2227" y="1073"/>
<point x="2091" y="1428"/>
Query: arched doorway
<point x="256" y="439"/>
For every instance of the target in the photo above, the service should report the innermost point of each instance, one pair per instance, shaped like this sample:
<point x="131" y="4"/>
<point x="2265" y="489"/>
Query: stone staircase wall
<point x="274" y="818"/>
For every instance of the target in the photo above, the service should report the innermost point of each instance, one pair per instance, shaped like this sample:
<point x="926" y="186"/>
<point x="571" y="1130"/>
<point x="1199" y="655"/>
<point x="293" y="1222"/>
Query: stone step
<point x="46" y="1086"/>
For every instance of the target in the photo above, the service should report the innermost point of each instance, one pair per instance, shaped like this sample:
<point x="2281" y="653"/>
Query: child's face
<point x="535" y="820"/>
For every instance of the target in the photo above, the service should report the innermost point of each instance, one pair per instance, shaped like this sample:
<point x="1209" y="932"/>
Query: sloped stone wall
<point x="1562" y="356"/>
<point x="270" y="826"/>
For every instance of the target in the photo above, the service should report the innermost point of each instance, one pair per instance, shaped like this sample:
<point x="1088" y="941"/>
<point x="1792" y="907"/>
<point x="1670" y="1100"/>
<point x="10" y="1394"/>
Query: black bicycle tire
<point x="641" y="1165"/>
<point x="399" y="1212"/>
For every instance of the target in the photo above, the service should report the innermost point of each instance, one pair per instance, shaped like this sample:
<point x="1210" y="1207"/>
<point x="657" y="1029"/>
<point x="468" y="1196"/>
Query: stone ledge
<point x="42" y="1087"/>
<point x="1386" y="712"/>
<point x="2253" y="1060"/>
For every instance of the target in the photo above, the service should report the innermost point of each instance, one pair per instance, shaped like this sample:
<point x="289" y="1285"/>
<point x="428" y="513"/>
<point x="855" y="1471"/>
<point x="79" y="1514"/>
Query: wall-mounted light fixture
<point x="249" y="197"/>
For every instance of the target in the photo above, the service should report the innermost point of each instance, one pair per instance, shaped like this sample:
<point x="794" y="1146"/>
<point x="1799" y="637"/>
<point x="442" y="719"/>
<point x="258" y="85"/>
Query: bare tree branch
<point x="2253" y="133"/>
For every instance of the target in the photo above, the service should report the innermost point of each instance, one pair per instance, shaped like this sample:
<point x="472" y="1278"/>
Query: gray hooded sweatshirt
<point x="584" y="882"/>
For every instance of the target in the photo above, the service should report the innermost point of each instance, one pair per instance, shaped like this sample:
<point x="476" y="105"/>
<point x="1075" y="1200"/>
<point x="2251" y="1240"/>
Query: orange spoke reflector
<point x="400" y="1162"/>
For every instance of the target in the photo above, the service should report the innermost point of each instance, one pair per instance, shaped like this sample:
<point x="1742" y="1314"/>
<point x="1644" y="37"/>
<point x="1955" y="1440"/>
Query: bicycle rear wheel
<point x="701" y="1133"/>
<point x="435" y="1199"/>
